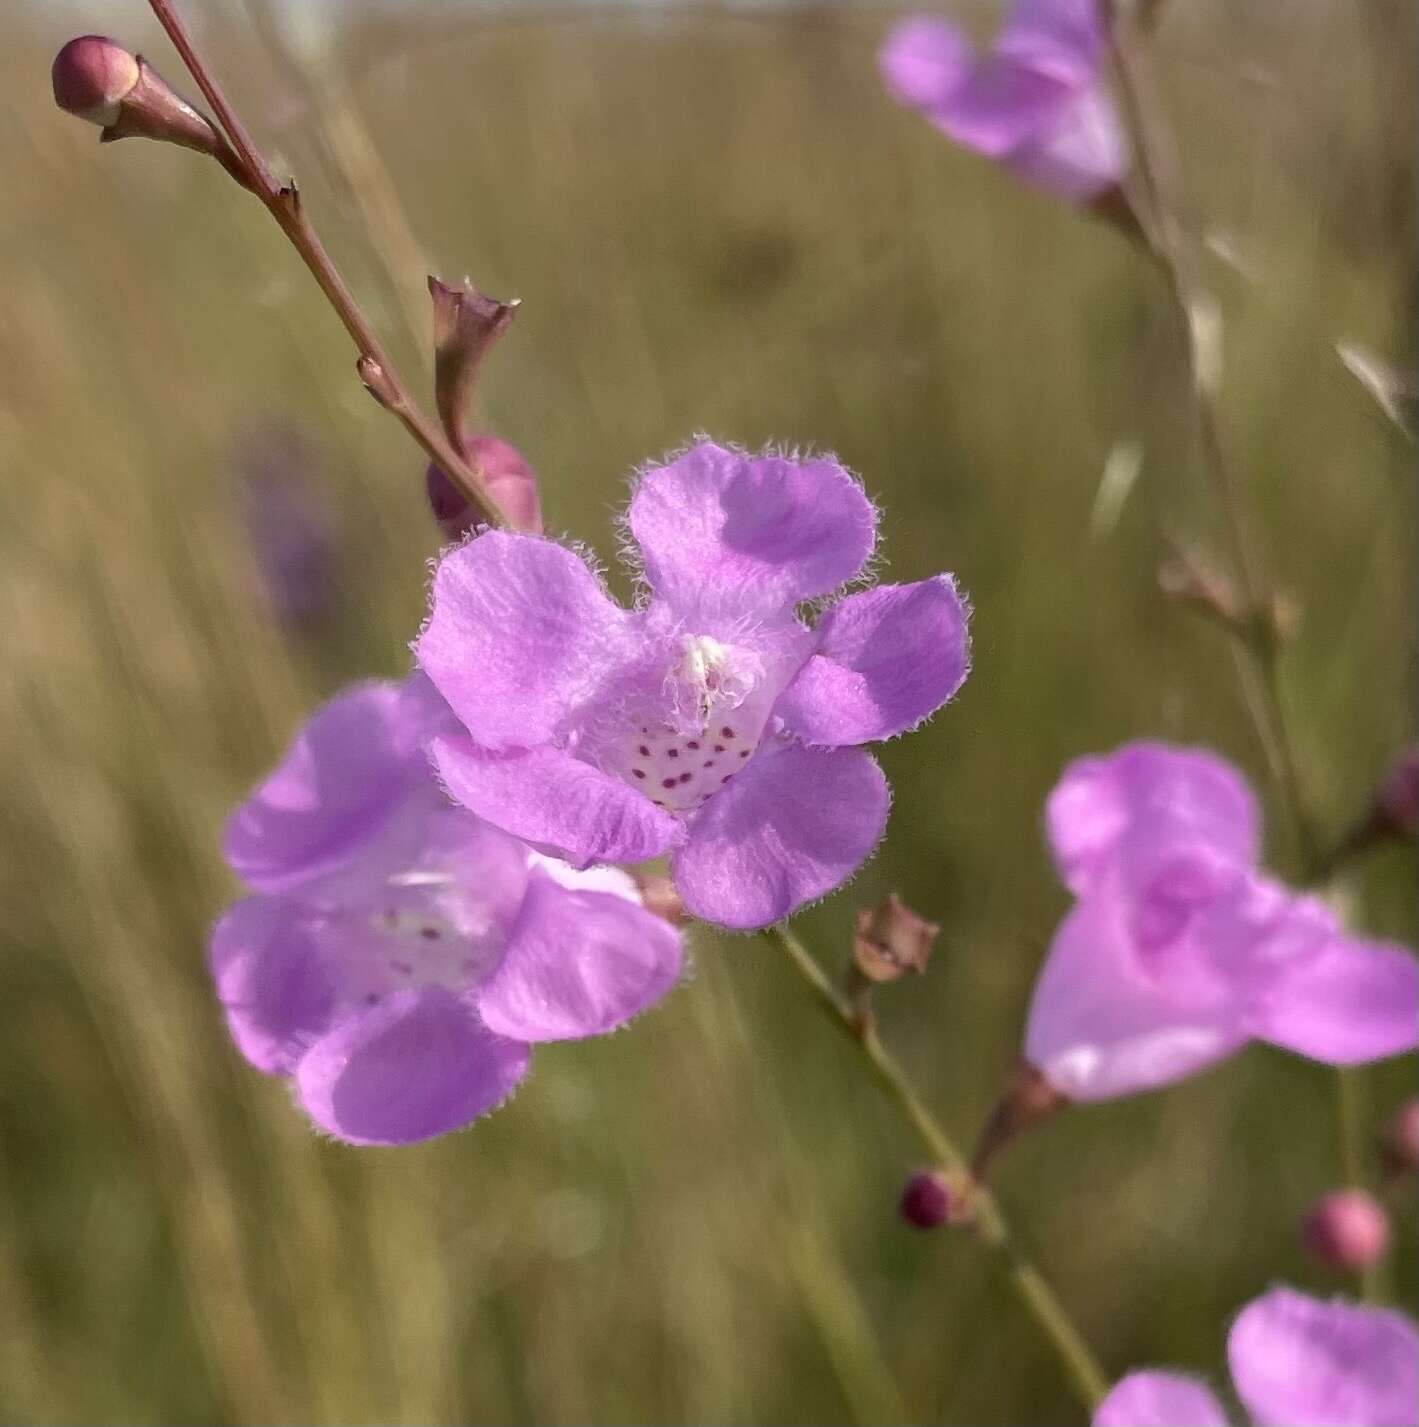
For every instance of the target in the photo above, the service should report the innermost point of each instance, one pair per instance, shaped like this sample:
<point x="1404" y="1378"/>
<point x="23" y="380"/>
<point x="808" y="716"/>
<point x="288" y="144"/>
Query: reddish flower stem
<point x="283" y="202"/>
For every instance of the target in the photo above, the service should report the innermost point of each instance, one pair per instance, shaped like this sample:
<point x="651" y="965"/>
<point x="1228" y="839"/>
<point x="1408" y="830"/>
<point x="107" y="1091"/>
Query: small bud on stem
<point x="1346" y="1230"/>
<point x="892" y="939"/>
<point x="928" y="1200"/>
<point x="97" y="80"/>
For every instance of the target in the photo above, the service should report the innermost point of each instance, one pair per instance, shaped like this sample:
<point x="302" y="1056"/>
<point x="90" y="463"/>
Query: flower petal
<point x="1159" y="1399"/>
<point x="1298" y="1361"/>
<point x="723" y="532"/>
<point x="1078" y="156"/>
<point x="1100" y="1027"/>
<point x="1347" y="1002"/>
<point x="555" y="801"/>
<point x="795" y="824"/>
<point x="348" y="769"/>
<point x="888" y="658"/>
<point x="277" y="990"/>
<point x="1174" y="795"/>
<point x="1003" y="104"/>
<point x="415" y="1066"/>
<point x="577" y="963"/>
<point x="923" y="60"/>
<point x="521" y="635"/>
<point x="1062" y="38"/>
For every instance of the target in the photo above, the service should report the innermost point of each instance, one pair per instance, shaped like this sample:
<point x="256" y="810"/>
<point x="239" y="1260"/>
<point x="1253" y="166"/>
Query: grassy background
<point x="720" y="224"/>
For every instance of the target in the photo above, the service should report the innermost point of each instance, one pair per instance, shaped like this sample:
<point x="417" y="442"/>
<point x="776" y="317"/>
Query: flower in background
<point x="1178" y="950"/>
<point x="710" y="721"/>
<point x="400" y="958"/>
<point x="1036" y="103"/>
<point x="1295" y="1361"/>
<point x="290" y="525"/>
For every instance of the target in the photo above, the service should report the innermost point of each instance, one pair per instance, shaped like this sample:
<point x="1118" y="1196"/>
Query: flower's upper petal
<point x="1077" y="156"/>
<point x="1061" y="38"/>
<point x="723" y="532"/>
<point x="1159" y="1399"/>
<point x="923" y="61"/>
<point x="521" y="636"/>
<point x="276" y="988"/>
<point x="1345" y="1002"/>
<point x="414" y="1066"/>
<point x="577" y="963"/>
<point x="350" y="767"/>
<point x="793" y="825"/>
<point x="1171" y="796"/>
<point x="1299" y="1361"/>
<point x="888" y="658"/>
<point x="555" y="801"/>
<point x="1003" y="104"/>
<point x="1101" y="1026"/>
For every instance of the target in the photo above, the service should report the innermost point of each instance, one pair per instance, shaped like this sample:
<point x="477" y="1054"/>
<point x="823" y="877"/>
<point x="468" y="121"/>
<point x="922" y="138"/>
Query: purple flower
<point x="1295" y="1361"/>
<point x="1178" y="950"/>
<point x="1036" y="103"/>
<point x="401" y="957"/>
<point x="710" y="720"/>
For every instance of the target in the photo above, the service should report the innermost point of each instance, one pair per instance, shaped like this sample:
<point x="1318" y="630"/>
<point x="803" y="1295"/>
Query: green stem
<point x="1255" y="636"/>
<point x="1034" y="1291"/>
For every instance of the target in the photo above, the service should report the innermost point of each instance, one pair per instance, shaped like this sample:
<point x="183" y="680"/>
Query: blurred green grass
<point x="720" y="224"/>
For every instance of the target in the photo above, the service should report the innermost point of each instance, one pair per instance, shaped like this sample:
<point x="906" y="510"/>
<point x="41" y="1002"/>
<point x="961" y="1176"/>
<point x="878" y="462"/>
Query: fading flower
<point x="711" y="720"/>
<point x="1295" y="1361"/>
<point x="400" y="957"/>
<point x="1178" y="950"/>
<point x="1036" y="103"/>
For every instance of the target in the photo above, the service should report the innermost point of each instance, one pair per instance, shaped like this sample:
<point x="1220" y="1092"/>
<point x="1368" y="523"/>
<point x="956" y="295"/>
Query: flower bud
<point x="1346" y="1230"/>
<point x="1397" y="800"/>
<point x="511" y="482"/>
<point x="92" y="76"/>
<point x="96" y="79"/>
<point x="892" y="940"/>
<point x="1399" y="1141"/>
<point x="928" y="1200"/>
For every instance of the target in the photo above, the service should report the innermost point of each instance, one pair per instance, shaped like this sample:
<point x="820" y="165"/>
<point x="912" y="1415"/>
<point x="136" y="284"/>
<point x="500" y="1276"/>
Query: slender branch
<point x="1256" y="647"/>
<point x="1039" y="1299"/>
<point x="1256" y="642"/>
<point x="283" y="202"/>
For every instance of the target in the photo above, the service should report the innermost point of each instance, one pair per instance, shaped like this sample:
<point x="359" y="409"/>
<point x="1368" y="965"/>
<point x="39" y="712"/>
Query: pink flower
<point x="1035" y="104"/>
<point x="1179" y="950"/>
<point x="1296" y="1361"/>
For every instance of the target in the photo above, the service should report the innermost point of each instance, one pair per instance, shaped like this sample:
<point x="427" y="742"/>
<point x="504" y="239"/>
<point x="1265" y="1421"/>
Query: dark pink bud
<point x="1397" y="801"/>
<point x="892" y="940"/>
<point x="1399" y="1142"/>
<point x="928" y="1201"/>
<point x="511" y="482"/>
<point x="92" y="76"/>
<point x="1346" y="1230"/>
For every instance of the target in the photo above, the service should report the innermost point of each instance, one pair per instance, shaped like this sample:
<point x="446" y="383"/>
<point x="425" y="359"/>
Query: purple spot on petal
<point x="719" y="748"/>
<point x="709" y="763"/>
<point x="743" y="752"/>
<point x="672" y="752"/>
<point x="726" y="732"/>
<point x="692" y="744"/>
<point x="685" y="777"/>
<point x="429" y="933"/>
<point x="639" y="772"/>
<point x="668" y="783"/>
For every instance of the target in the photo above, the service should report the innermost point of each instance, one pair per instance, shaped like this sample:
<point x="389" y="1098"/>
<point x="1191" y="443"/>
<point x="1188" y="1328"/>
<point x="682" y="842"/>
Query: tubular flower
<point x="1036" y="104"/>
<point x="1179" y="949"/>
<point x="400" y="957"/>
<point x="1296" y="1361"/>
<point x="711" y="721"/>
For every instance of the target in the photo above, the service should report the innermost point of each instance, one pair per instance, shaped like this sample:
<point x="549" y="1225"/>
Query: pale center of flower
<point x="716" y="705"/>
<point x="421" y="935"/>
